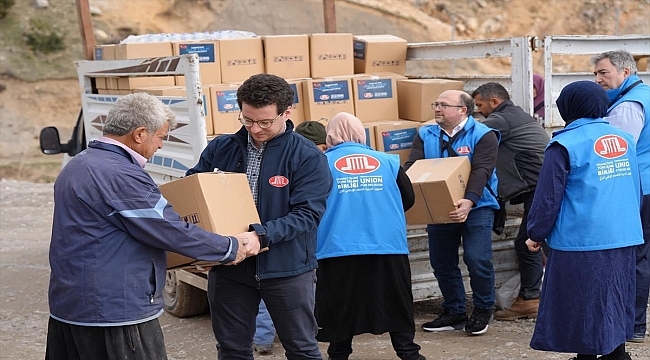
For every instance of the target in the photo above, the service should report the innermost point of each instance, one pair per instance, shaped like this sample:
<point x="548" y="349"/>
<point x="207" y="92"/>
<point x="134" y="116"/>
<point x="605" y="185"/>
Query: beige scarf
<point x="345" y="127"/>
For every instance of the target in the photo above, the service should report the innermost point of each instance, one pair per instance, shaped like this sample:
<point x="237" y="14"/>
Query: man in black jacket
<point x="519" y="160"/>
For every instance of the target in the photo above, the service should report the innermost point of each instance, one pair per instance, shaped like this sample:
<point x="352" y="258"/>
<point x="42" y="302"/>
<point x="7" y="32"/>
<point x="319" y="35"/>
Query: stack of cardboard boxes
<point x="329" y="73"/>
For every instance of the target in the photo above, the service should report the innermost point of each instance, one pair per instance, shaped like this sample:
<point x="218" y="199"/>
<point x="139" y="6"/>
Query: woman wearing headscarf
<point x="586" y="208"/>
<point x="364" y="278"/>
<point x="538" y="95"/>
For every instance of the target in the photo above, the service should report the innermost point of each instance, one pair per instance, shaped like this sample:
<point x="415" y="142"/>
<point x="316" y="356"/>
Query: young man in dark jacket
<point x="290" y="181"/>
<point x="521" y="152"/>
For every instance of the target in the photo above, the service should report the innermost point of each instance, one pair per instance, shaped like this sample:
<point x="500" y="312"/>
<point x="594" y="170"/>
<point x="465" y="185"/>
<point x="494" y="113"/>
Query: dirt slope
<point x="27" y="106"/>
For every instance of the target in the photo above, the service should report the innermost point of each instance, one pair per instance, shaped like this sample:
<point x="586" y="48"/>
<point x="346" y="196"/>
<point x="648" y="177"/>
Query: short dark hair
<point x="265" y="89"/>
<point x="492" y="90"/>
<point x="467" y="102"/>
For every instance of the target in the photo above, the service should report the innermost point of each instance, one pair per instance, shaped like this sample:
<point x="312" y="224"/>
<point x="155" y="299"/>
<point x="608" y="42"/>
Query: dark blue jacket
<point x="110" y="230"/>
<point x="290" y="214"/>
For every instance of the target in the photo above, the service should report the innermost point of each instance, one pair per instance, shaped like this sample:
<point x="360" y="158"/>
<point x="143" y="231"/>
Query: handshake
<point x="250" y="244"/>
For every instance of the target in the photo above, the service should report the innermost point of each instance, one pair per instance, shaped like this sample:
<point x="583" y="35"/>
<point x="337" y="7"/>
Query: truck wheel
<point x="182" y="299"/>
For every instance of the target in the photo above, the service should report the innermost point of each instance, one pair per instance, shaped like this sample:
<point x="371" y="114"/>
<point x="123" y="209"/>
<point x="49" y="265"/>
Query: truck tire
<point x="182" y="299"/>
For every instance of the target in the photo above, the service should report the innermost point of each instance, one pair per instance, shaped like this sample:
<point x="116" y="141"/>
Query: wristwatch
<point x="261" y="232"/>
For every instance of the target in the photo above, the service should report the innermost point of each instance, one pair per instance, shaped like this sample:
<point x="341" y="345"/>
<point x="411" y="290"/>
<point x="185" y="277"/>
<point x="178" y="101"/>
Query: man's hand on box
<point x="251" y="241"/>
<point x="463" y="207"/>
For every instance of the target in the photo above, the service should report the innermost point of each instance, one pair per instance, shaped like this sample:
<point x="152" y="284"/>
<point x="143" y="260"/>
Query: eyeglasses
<point x="444" y="106"/>
<point x="264" y="124"/>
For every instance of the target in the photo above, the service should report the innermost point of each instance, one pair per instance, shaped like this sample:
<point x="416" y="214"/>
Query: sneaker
<point x="520" y="309"/>
<point x="446" y="322"/>
<point x="478" y="322"/>
<point x="637" y="338"/>
<point x="266" y="349"/>
<point x="627" y="356"/>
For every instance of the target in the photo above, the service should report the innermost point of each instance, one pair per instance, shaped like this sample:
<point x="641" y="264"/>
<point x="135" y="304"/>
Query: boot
<point x="519" y="310"/>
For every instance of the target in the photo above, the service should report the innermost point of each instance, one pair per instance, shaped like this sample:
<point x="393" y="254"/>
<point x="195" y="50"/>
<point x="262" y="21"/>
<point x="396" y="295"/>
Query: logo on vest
<point x="279" y="181"/>
<point x="463" y="150"/>
<point x="357" y="164"/>
<point x="610" y="146"/>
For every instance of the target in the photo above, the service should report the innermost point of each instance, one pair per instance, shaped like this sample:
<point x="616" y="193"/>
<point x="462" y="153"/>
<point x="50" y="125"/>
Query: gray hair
<point x="136" y="110"/>
<point x="621" y="59"/>
<point x="468" y="102"/>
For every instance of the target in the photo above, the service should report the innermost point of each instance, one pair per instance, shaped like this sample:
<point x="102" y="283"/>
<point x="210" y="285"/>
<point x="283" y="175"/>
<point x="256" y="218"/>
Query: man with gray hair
<point x="110" y="231"/>
<point x="629" y="110"/>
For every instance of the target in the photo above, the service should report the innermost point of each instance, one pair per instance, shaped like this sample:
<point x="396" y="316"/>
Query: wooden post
<point x="86" y="28"/>
<point x="329" y="13"/>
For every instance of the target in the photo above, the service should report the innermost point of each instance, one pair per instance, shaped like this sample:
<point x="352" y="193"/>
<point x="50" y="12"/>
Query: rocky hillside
<point x="39" y="42"/>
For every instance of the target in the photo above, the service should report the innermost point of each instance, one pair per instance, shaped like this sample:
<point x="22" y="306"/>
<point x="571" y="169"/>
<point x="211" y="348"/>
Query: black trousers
<point x="142" y="341"/>
<point x="530" y="263"/>
<point x="403" y="344"/>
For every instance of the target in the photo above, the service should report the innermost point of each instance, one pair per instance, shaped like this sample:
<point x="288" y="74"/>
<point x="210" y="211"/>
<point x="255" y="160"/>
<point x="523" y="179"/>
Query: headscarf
<point x="312" y="130"/>
<point x="345" y="127"/>
<point x="582" y="99"/>
<point x="538" y="102"/>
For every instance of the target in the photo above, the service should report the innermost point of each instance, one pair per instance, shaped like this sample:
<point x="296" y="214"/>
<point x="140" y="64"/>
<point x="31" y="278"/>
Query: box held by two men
<point x="437" y="184"/>
<point x="206" y="200"/>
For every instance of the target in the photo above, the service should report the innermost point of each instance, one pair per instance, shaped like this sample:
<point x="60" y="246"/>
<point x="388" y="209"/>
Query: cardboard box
<point x="370" y="136"/>
<point x="200" y="199"/>
<point x="100" y="83"/>
<point x="374" y="53"/>
<point x="130" y="83"/>
<point x="225" y="109"/>
<point x="375" y="98"/>
<point x="208" y="52"/>
<point x="142" y="50"/>
<point x="395" y="137"/>
<point x="325" y="98"/>
<point x="330" y="55"/>
<point x="287" y="56"/>
<point x="104" y="52"/>
<point x="181" y="92"/>
<point x="415" y="96"/>
<point x="240" y="58"/>
<point x="112" y="83"/>
<point x="437" y="183"/>
<point x="298" y="108"/>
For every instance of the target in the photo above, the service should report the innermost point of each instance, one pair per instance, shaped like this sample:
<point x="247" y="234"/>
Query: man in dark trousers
<point x="521" y="152"/>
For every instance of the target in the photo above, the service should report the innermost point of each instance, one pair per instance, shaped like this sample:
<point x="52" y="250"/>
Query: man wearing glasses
<point x="456" y="133"/>
<point x="290" y="181"/>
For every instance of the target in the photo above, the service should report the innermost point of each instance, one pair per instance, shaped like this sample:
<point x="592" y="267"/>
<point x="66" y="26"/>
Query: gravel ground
<point x="25" y="225"/>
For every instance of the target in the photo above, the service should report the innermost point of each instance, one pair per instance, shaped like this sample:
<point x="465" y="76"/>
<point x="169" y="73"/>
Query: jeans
<point x="264" y="329"/>
<point x="643" y="270"/>
<point x="234" y="306"/>
<point x="531" y="268"/>
<point x="444" y="240"/>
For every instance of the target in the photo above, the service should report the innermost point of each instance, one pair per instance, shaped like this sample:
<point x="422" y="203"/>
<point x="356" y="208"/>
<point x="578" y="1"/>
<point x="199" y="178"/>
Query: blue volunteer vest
<point x="364" y="212"/>
<point x="432" y="137"/>
<point x="640" y="94"/>
<point x="602" y="161"/>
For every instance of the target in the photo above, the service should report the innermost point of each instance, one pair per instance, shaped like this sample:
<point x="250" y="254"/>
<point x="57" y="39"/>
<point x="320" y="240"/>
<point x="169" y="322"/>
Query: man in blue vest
<point x="629" y="110"/>
<point x="458" y="134"/>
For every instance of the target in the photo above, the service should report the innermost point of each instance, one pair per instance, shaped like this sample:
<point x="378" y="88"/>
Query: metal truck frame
<point x="184" y="291"/>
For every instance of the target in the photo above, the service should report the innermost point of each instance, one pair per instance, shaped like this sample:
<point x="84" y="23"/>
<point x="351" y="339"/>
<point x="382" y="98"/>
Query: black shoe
<point x="446" y="322"/>
<point x="479" y="321"/>
<point x="627" y="356"/>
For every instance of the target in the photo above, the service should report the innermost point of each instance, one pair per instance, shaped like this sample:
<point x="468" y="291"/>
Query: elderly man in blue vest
<point x="456" y="133"/>
<point x="629" y="110"/>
